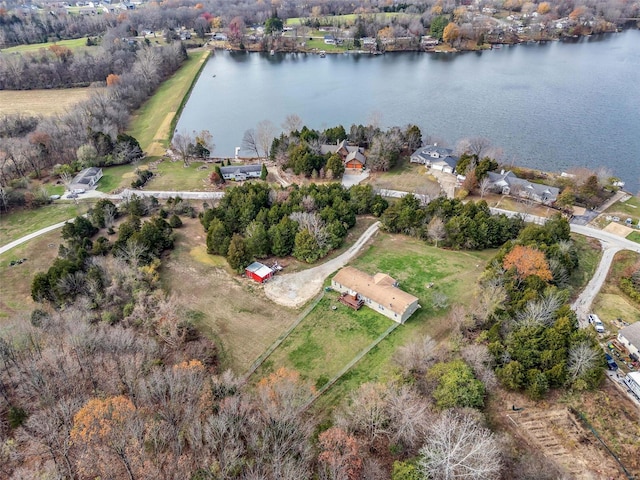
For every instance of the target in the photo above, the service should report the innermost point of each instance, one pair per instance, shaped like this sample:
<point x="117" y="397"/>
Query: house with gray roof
<point x="436" y="158"/>
<point x="86" y="179"/>
<point x="507" y="183"/>
<point x="240" y="173"/>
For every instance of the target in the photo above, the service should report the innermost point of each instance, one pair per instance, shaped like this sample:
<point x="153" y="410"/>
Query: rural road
<point x="26" y="238"/>
<point x="295" y="289"/>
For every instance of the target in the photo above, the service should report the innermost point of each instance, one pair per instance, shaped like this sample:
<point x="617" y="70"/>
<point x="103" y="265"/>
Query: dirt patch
<point x="617" y="229"/>
<point x="163" y="129"/>
<point x="38" y="102"/>
<point x="233" y="309"/>
<point x="551" y="429"/>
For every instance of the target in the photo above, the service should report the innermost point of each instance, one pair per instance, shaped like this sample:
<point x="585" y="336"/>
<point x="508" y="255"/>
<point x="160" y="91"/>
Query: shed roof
<point x="259" y="269"/>
<point x="379" y="288"/>
<point x="632" y="334"/>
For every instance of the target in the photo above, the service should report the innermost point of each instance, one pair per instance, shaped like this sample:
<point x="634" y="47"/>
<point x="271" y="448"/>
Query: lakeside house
<point x="507" y="183"/>
<point x="86" y="179"/>
<point x="379" y="292"/>
<point x="240" y="173"/>
<point x="352" y="156"/>
<point x="436" y="158"/>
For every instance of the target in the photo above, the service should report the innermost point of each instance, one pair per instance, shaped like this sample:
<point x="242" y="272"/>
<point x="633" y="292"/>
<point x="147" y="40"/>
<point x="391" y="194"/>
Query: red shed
<point x="259" y="272"/>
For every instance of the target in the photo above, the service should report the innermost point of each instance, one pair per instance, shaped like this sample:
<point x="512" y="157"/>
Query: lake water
<point x="550" y="106"/>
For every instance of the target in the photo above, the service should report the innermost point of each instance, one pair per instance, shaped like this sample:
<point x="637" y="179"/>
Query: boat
<point x="272" y="52"/>
<point x="323" y="54"/>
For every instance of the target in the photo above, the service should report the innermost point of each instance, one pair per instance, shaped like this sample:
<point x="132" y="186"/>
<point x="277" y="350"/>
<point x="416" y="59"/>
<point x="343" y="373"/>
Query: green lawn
<point x="326" y="340"/>
<point x="73" y="44"/>
<point x="20" y="223"/>
<point x="630" y="208"/>
<point x="351" y="18"/>
<point x="634" y="237"/>
<point x="175" y="176"/>
<point x="589" y="254"/>
<point x="318" y="43"/>
<point x="120" y="176"/>
<point x="152" y="124"/>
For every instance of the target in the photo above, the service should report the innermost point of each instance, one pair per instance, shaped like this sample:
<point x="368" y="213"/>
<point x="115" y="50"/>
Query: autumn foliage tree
<point x="339" y="457"/>
<point x="113" y="79"/>
<point x="451" y="33"/>
<point x="528" y="261"/>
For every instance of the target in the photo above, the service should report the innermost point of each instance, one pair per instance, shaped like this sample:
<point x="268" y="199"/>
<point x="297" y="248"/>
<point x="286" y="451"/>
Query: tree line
<point x="254" y="221"/>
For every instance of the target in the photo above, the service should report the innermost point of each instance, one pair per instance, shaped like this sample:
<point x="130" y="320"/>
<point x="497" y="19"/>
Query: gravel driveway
<point x="295" y="289"/>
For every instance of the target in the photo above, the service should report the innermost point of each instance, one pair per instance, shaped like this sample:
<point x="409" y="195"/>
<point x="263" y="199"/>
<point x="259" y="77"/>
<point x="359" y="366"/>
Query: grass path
<point x="152" y="123"/>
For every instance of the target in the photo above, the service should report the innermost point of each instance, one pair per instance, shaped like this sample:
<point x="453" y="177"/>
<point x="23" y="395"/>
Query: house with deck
<point x="379" y="292"/>
<point x="240" y="173"/>
<point x="507" y="183"/>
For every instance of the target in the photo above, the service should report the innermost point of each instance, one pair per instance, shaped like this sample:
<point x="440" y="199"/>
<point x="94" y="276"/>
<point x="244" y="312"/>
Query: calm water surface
<point x="548" y="106"/>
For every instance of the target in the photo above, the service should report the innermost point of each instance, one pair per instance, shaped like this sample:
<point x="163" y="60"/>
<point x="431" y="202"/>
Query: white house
<point x="380" y="293"/>
<point x="86" y="179"/>
<point x="241" y="172"/>
<point x="507" y="183"/>
<point x="436" y="158"/>
<point x="630" y="337"/>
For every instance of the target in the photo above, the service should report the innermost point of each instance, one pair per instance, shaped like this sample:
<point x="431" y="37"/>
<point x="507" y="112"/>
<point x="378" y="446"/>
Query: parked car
<point x="592" y="317"/>
<point x="598" y="326"/>
<point x="611" y="363"/>
<point x="72" y="195"/>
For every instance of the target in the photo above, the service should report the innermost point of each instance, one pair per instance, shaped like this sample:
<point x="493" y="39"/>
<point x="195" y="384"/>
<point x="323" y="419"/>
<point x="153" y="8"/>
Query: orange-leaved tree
<point x="108" y="427"/>
<point x="112" y="79"/>
<point x="339" y="456"/>
<point x="528" y="261"/>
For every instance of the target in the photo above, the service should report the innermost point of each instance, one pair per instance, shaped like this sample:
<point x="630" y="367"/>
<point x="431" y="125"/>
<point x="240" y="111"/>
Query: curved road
<point x="295" y="289"/>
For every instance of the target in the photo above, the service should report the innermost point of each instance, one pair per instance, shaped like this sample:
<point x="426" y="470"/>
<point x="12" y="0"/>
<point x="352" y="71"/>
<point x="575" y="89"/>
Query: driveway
<point x="295" y="289"/>
<point x="350" y="179"/>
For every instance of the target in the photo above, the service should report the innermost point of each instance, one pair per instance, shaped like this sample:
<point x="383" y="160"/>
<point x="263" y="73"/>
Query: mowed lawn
<point x="23" y="222"/>
<point x="42" y="102"/>
<point x="15" y="286"/>
<point x="611" y="302"/>
<point x="73" y="44"/>
<point x="151" y="124"/>
<point x="326" y="340"/>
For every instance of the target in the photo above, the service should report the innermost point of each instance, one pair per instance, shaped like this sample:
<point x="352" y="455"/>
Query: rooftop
<point x="381" y="288"/>
<point x="632" y="334"/>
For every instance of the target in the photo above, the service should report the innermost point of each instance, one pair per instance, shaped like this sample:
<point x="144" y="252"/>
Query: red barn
<point x="259" y="272"/>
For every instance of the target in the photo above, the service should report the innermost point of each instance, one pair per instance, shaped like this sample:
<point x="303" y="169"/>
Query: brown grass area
<point x="15" y="287"/>
<point x="550" y="428"/>
<point x="234" y="309"/>
<point x="617" y="229"/>
<point x="41" y="102"/>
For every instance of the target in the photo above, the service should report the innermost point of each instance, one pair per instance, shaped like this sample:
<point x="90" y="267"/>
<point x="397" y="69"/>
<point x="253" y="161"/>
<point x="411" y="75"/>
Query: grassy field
<point x="406" y="177"/>
<point x="39" y="102"/>
<point x="415" y="265"/>
<point x="15" y="287"/>
<point x="630" y="208"/>
<point x="230" y="308"/>
<point x="589" y="253"/>
<point x="326" y="340"/>
<point x="634" y="237"/>
<point x="175" y="176"/>
<point x="120" y="176"/>
<point x="611" y="303"/>
<point x="151" y="124"/>
<point x="73" y="44"/>
<point x="20" y="223"/>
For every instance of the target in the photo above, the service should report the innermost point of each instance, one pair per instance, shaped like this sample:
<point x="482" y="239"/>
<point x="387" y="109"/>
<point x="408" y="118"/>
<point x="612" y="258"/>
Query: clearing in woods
<point x="232" y="308"/>
<point x="39" y="102"/>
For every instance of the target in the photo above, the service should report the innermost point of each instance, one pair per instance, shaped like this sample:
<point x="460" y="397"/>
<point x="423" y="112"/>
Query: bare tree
<point x="132" y="252"/>
<point x="292" y="123"/>
<point x="436" y="230"/>
<point x="250" y="141"/>
<point x="109" y="215"/>
<point x="366" y="413"/>
<point x="410" y="416"/>
<point x="182" y="144"/>
<point x="457" y="447"/>
<point x="314" y="223"/>
<point x="484" y="185"/>
<point x="416" y="357"/>
<point x="582" y="358"/>
<point x="265" y="131"/>
<point x="481" y="361"/>
<point x="540" y="312"/>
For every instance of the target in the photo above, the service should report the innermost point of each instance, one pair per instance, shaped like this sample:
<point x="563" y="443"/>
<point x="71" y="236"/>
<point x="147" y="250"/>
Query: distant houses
<point x="240" y="173"/>
<point x="379" y="292"/>
<point x="436" y="158"/>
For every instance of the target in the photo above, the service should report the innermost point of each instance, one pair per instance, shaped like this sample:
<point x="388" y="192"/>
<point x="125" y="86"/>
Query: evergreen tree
<point x="238" y="255"/>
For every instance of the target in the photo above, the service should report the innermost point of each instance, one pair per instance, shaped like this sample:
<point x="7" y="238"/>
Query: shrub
<point x="174" y="221"/>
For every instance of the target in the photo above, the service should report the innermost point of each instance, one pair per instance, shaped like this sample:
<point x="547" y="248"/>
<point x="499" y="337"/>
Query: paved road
<point x="26" y="238"/>
<point x="295" y="289"/>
